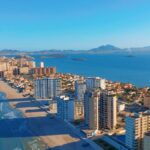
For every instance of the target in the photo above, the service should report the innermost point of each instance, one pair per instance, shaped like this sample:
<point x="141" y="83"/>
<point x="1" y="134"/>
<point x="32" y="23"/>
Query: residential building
<point x="91" y="108"/>
<point x="79" y="109"/>
<point x="24" y="70"/>
<point x="100" y="109"/>
<point x="44" y="71"/>
<point x="47" y="88"/>
<point x="146" y="141"/>
<point x="95" y="82"/>
<point x="136" y="126"/>
<point x="147" y="101"/>
<point x="108" y="110"/>
<point x="80" y="88"/>
<point x="65" y="108"/>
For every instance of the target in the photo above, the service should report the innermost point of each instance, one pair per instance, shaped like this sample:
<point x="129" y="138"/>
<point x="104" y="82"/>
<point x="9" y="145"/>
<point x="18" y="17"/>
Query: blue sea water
<point x="115" y="67"/>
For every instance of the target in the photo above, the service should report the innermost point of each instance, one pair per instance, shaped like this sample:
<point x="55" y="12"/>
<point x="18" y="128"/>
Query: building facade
<point x="136" y="126"/>
<point x="100" y="110"/>
<point x="80" y="88"/>
<point x="91" y="109"/>
<point x="147" y="101"/>
<point x="146" y="141"/>
<point x="95" y="82"/>
<point x="65" y="108"/>
<point x="108" y="110"/>
<point x="47" y="88"/>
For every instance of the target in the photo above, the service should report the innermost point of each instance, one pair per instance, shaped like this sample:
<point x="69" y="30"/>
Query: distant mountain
<point x="105" y="49"/>
<point x="8" y="50"/>
<point x="140" y="49"/>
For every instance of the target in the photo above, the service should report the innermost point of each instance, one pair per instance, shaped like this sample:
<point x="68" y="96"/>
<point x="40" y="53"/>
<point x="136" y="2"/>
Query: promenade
<point x="57" y="134"/>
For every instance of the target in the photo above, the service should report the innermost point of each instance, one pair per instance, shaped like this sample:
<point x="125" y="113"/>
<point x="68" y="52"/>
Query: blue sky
<point x="73" y="24"/>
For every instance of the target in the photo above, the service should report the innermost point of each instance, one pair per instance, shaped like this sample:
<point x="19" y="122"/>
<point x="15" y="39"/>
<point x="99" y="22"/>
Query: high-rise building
<point x="136" y="126"/>
<point x="95" y="82"/>
<point x="108" y="110"/>
<point x="47" y="88"/>
<point x="80" y="88"/>
<point x="100" y="109"/>
<point x="79" y="109"/>
<point x="146" y="141"/>
<point x="65" y="108"/>
<point x="91" y="109"/>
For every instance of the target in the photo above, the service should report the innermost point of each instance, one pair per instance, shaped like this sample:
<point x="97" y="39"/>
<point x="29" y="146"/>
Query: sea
<point x="124" y="68"/>
<point x="8" y="138"/>
<point x="134" y="69"/>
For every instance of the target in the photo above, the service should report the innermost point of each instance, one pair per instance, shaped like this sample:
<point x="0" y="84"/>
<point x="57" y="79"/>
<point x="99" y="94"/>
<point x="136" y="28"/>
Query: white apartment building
<point x="95" y="82"/>
<point x="65" y="108"/>
<point x="47" y="88"/>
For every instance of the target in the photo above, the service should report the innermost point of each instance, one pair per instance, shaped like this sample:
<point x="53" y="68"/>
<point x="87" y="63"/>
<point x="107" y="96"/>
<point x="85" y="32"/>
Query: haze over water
<point x="115" y="67"/>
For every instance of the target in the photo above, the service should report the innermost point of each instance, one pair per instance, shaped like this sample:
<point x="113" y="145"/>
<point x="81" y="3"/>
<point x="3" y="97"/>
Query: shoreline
<point x="11" y="94"/>
<point x="55" y="133"/>
<point x="21" y="143"/>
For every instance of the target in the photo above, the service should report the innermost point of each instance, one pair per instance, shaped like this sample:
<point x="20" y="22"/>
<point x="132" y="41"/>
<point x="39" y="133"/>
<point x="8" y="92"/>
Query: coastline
<point x="54" y="133"/>
<point x="11" y="94"/>
<point x="8" y="113"/>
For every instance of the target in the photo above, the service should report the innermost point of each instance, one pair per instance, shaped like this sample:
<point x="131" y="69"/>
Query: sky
<point x="73" y="24"/>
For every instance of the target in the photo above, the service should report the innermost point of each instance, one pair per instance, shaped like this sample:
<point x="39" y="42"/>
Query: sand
<point x="10" y="92"/>
<point x="53" y="132"/>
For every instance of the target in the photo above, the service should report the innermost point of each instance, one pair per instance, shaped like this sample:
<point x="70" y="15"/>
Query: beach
<point x="55" y="133"/>
<point x="10" y="92"/>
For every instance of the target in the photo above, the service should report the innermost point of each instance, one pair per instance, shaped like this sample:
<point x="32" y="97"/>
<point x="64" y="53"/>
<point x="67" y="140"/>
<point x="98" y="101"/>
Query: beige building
<point x="136" y="127"/>
<point x="79" y="109"/>
<point x="92" y="109"/>
<point x="108" y="110"/>
<point x="24" y="70"/>
<point x="147" y="101"/>
<point x="100" y="110"/>
<point x="147" y="141"/>
<point x="111" y="111"/>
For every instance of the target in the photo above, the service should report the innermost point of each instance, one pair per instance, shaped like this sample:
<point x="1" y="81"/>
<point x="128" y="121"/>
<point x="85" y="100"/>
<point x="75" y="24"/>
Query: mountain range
<point x="104" y="49"/>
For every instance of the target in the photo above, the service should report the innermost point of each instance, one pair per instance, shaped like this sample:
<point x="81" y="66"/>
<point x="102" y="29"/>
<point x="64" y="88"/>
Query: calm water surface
<point x="115" y="67"/>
